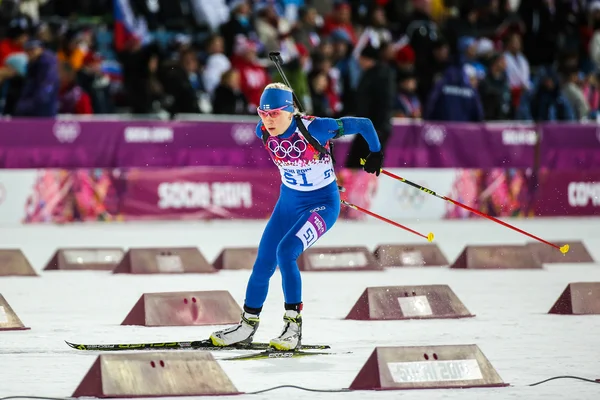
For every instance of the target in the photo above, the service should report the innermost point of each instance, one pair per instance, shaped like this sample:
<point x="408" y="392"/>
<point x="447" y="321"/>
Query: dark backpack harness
<point x="310" y="139"/>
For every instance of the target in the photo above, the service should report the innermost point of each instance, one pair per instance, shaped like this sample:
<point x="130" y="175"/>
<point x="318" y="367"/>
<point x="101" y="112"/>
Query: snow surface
<point x="512" y="327"/>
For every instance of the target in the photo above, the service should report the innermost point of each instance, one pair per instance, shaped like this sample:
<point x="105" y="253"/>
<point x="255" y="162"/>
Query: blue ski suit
<point x="308" y="204"/>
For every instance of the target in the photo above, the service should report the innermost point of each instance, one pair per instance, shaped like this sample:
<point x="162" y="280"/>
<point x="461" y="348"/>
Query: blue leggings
<point x="298" y="220"/>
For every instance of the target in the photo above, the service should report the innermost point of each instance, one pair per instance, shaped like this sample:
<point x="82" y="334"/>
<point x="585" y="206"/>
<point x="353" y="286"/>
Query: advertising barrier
<point x="125" y="144"/>
<point x="570" y="146"/>
<point x="568" y="192"/>
<point x="88" y="170"/>
<point x="63" y="196"/>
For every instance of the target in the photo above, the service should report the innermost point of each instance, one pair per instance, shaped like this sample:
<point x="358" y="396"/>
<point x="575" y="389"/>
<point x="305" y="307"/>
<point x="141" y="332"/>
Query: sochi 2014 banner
<point x="496" y="192"/>
<point x="63" y="196"/>
<point x="568" y="192"/>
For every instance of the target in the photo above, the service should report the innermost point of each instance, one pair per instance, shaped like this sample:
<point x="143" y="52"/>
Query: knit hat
<point x="274" y="98"/>
<point x="18" y="62"/>
<point x="405" y="55"/>
<point x="370" y="52"/>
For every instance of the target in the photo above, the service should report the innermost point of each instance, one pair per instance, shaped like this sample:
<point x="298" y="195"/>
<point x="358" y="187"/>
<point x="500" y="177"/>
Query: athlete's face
<point x="276" y="121"/>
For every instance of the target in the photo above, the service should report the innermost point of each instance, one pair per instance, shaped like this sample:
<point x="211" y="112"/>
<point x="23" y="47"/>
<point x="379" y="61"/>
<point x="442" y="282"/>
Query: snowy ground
<point x="511" y="326"/>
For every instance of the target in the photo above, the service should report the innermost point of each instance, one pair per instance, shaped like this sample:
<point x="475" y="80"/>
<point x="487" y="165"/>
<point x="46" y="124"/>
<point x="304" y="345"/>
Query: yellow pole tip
<point x="430" y="237"/>
<point x="564" y="249"/>
<point x="362" y="161"/>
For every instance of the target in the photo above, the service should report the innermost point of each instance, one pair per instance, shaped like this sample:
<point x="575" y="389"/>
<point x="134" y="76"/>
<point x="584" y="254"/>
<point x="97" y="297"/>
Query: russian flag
<point x="128" y="29"/>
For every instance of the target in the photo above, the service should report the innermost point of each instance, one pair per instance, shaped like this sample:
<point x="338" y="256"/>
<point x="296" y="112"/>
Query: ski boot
<point x="291" y="336"/>
<point x="240" y="334"/>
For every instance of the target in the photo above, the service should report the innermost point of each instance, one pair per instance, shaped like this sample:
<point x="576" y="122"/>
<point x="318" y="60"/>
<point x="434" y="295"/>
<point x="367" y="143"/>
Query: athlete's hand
<point x="373" y="163"/>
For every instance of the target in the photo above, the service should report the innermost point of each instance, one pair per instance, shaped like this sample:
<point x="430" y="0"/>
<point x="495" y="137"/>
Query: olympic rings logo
<point x="410" y="197"/>
<point x="286" y="148"/>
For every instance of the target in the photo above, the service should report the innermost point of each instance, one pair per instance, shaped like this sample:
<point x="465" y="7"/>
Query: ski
<point x="189" y="345"/>
<point x="273" y="354"/>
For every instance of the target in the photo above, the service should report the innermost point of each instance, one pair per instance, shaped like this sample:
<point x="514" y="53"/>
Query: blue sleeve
<point x="324" y="129"/>
<point x="258" y="130"/>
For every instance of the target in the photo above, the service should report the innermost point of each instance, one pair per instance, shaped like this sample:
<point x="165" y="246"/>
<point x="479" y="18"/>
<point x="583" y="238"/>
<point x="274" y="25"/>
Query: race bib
<point x="311" y="231"/>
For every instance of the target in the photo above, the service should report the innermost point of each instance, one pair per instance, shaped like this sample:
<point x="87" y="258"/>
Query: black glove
<point x="373" y="163"/>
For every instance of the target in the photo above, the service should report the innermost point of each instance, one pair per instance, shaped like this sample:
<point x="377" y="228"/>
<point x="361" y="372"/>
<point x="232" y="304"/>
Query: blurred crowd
<point x="450" y="60"/>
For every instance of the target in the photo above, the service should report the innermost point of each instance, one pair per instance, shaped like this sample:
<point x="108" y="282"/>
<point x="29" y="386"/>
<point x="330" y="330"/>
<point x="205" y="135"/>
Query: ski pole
<point x="563" y="249"/>
<point x="429" y="237"/>
<point x="275" y="56"/>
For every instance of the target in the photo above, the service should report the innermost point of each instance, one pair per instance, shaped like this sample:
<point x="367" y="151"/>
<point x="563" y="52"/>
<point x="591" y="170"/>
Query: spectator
<point x="548" y="102"/>
<point x="96" y="83"/>
<point x="517" y="68"/>
<point x="429" y="73"/>
<point x="340" y="18"/>
<point x="407" y="104"/>
<point x="490" y="18"/>
<point x="574" y="94"/>
<point x="472" y="75"/>
<point x="213" y="13"/>
<point x="485" y="50"/>
<point x="557" y="33"/>
<point x="594" y="44"/>
<point x="217" y="63"/>
<point x="343" y="63"/>
<point x="183" y="84"/>
<point x="333" y="89"/>
<point x="325" y="47"/>
<point x="542" y="28"/>
<point x="290" y="9"/>
<point x="12" y="80"/>
<point x="512" y="22"/>
<point x="464" y="25"/>
<point x="323" y="7"/>
<point x="254" y="76"/>
<point x="144" y="90"/>
<point x="467" y="48"/>
<point x="567" y="61"/>
<point x="376" y="33"/>
<point x="306" y="30"/>
<point x="72" y="99"/>
<point x="268" y="26"/>
<point x="405" y="59"/>
<point x="591" y="91"/>
<point x="340" y="44"/>
<point x="39" y="97"/>
<point x="376" y="94"/>
<point x="423" y="35"/>
<point x="494" y="91"/>
<point x="395" y="12"/>
<point x="71" y="49"/>
<point x="570" y="16"/>
<point x="16" y="36"/>
<point x="228" y="98"/>
<point x="454" y="98"/>
<point x="318" y="89"/>
<point x="9" y="10"/>
<point x="239" y="24"/>
<point x="49" y="33"/>
<point x="179" y="44"/>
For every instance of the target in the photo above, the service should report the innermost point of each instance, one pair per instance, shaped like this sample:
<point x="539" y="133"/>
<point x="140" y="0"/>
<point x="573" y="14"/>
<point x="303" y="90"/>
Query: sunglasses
<point x="274" y="113"/>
